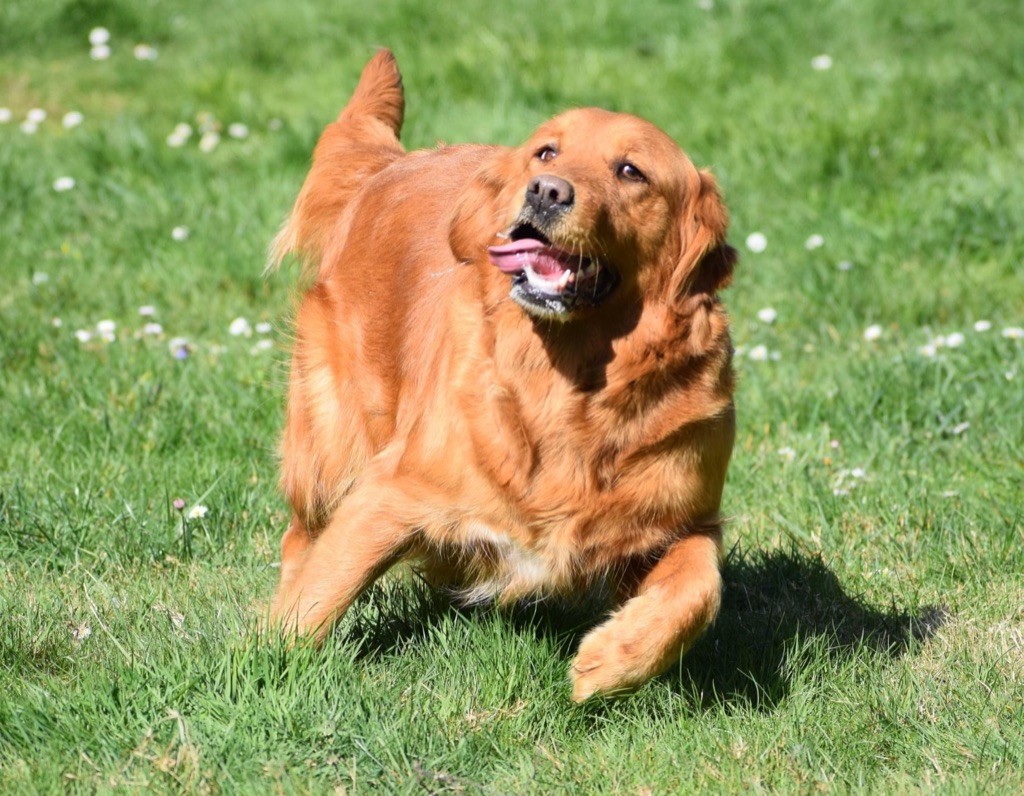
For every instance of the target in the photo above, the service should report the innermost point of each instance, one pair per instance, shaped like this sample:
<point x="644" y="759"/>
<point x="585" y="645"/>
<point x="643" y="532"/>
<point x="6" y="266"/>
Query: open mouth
<point x="548" y="280"/>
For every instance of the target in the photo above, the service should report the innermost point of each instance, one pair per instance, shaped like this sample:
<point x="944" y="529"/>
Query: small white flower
<point x="29" y="127"/>
<point x="56" y="323"/>
<point x="263" y="328"/>
<point x="757" y="242"/>
<point x="262" y="345"/>
<point x="240" y="327"/>
<point x="5" y="115"/>
<point x="177" y="345"/>
<point x="106" y="330"/>
<point x="1013" y="333"/>
<point x="834" y="444"/>
<point x="101" y="52"/>
<point x="928" y="350"/>
<point x="37" y="115"/>
<point x="873" y="332"/>
<point x="143" y="52"/>
<point x="787" y="453"/>
<point x="153" y="329"/>
<point x="40" y="277"/>
<point x="857" y="472"/>
<point x="982" y="326"/>
<point x="238" y="130"/>
<point x="83" y="335"/>
<point x="180" y="233"/>
<point x="954" y="340"/>
<point x="705" y="5"/>
<point x="81" y="632"/>
<point x="759" y="353"/>
<point x="1010" y="375"/>
<point x="821" y="63"/>
<point x="62" y="184"/>
<point x="814" y="242"/>
<point x="72" y="119"/>
<point x="99" y="36"/>
<point x="179" y="135"/>
<point x="147" y="310"/>
<point x="767" y="315"/>
<point x="960" y="428"/>
<point x="840" y="492"/>
<point x="197" y="512"/>
<point x="209" y="141"/>
<point x="845" y="265"/>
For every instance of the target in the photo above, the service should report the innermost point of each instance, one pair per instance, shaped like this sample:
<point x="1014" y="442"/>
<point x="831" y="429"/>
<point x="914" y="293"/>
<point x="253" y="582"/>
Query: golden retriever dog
<point x="512" y="369"/>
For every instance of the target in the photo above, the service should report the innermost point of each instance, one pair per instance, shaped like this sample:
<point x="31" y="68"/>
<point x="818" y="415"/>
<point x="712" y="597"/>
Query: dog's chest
<point x="501" y="567"/>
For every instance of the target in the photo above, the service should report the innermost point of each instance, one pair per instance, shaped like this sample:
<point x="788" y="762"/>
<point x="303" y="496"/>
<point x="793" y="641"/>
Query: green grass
<point x="871" y="641"/>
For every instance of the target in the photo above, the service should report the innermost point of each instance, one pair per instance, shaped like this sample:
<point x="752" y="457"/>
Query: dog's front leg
<point x="368" y="532"/>
<point x="672" y="605"/>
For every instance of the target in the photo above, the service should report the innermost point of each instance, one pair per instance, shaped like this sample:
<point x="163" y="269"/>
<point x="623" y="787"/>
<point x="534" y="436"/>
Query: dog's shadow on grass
<point x="773" y="604"/>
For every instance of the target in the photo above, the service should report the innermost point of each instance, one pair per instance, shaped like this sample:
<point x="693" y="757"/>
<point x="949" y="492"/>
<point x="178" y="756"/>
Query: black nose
<point x="547" y="193"/>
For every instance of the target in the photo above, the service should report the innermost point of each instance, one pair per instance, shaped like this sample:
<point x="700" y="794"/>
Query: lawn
<point x="872" y="632"/>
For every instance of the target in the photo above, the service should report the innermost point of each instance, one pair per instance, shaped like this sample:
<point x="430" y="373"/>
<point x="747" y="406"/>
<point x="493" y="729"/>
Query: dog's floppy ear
<point x="480" y="210"/>
<point x="705" y="261"/>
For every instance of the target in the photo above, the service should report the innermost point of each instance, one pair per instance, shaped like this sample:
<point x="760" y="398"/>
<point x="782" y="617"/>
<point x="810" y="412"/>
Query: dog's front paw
<point x="608" y="663"/>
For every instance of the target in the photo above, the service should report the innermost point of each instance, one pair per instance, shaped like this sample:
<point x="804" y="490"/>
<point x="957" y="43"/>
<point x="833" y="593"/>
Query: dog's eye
<point x="546" y="153"/>
<point x="627" y="171"/>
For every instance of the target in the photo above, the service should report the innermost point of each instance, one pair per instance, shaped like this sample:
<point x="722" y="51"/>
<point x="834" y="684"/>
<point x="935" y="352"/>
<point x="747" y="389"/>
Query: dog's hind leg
<point x="672" y="606"/>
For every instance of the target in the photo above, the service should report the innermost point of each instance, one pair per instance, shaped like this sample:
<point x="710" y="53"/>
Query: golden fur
<point x="509" y="452"/>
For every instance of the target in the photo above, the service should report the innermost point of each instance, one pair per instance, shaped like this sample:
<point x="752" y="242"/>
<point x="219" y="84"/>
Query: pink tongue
<point x="512" y="257"/>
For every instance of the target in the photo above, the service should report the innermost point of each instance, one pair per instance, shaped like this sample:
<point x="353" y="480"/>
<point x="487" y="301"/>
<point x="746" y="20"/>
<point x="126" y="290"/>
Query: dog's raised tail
<point x="379" y="94"/>
<point x="361" y="142"/>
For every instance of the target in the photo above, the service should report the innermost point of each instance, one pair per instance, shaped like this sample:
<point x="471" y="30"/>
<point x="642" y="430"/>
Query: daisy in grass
<point x="873" y="332"/>
<point x="179" y="135"/>
<point x="209" y="141"/>
<point x="107" y="330"/>
<point x="757" y="242"/>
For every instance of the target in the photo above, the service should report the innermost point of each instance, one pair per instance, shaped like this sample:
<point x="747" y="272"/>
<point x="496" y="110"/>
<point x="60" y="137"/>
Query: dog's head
<point x="597" y="207"/>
